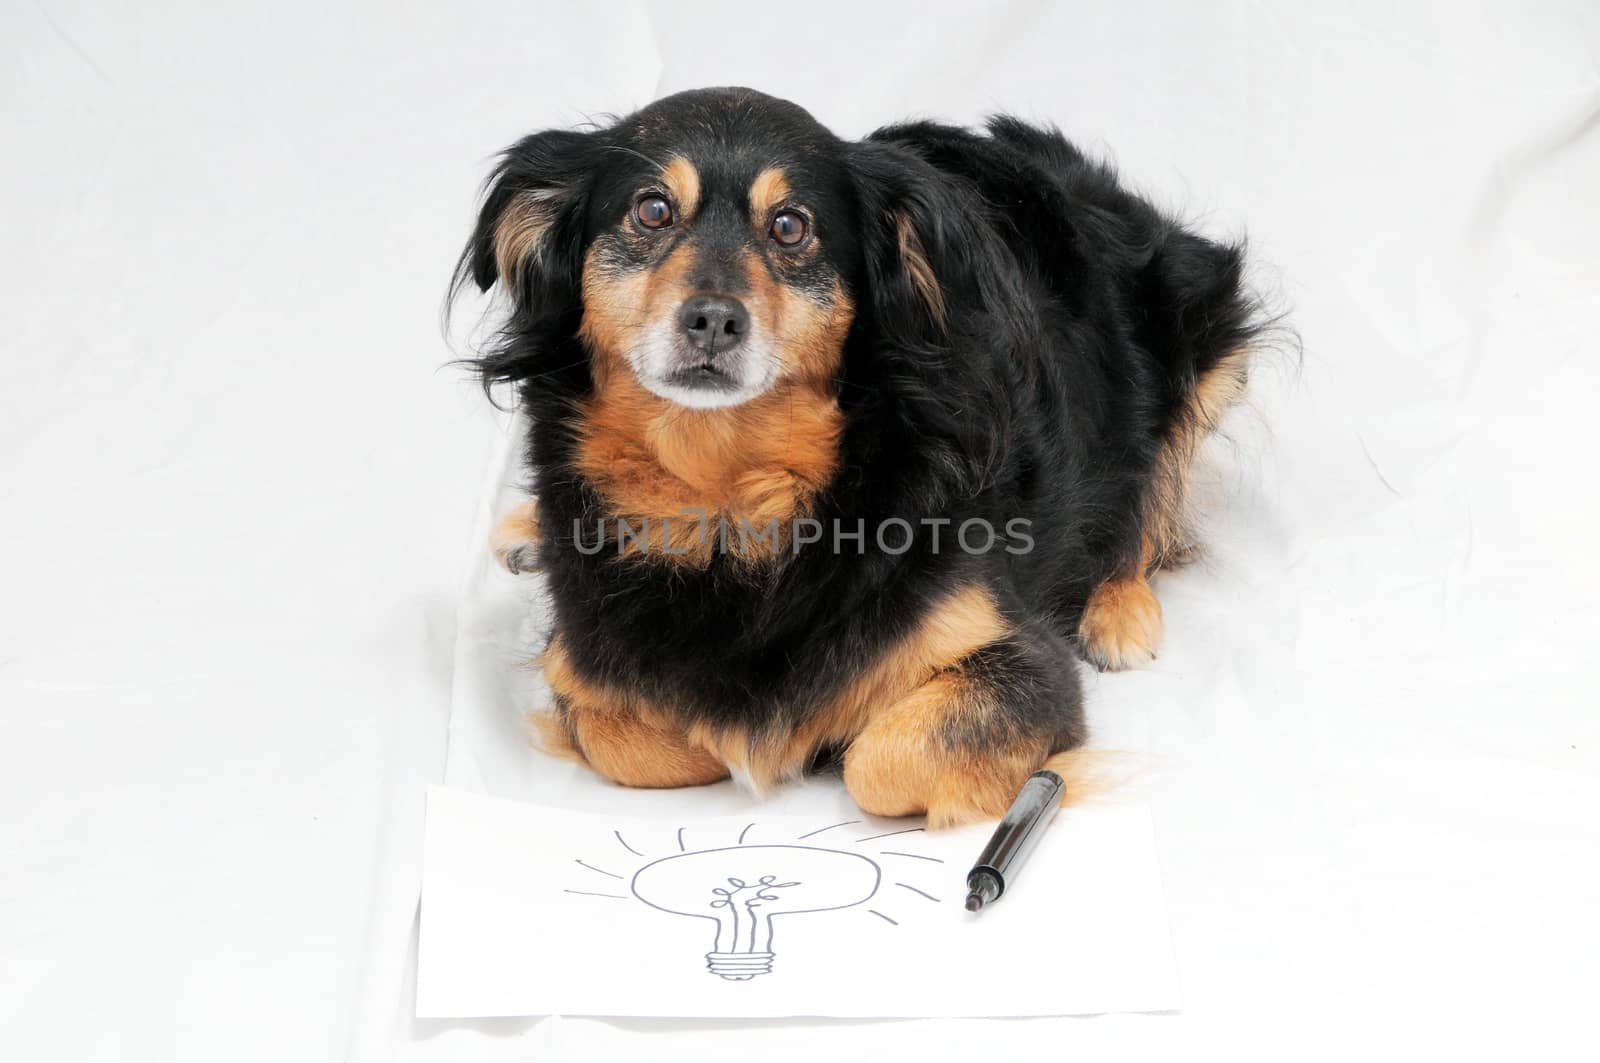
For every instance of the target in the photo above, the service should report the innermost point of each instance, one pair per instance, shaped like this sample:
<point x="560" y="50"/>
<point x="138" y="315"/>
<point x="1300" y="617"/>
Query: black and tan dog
<point x="844" y="448"/>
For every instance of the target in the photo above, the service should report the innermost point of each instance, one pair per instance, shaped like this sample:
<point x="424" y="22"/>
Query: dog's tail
<point x="1094" y="775"/>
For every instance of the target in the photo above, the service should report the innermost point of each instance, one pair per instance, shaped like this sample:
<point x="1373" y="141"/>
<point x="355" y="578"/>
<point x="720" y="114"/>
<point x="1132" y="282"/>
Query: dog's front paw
<point x="1121" y="625"/>
<point x="521" y="560"/>
<point x="515" y="541"/>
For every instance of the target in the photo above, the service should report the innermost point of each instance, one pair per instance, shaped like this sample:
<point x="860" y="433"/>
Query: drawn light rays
<point x="756" y="836"/>
<point x="819" y="830"/>
<point x="602" y="870"/>
<point x="625" y="845"/>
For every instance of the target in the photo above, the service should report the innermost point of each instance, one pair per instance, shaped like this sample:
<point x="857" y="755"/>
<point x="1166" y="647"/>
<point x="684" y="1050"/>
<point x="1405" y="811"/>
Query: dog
<point x="844" y="451"/>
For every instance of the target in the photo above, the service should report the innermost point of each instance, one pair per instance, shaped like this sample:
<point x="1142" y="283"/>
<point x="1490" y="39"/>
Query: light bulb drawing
<point x="742" y="888"/>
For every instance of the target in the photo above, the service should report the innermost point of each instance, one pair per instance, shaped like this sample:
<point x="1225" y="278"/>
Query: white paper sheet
<point x="532" y="910"/>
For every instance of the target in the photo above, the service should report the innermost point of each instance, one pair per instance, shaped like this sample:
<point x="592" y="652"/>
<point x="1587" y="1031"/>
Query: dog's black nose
<point x="714" y="322"/>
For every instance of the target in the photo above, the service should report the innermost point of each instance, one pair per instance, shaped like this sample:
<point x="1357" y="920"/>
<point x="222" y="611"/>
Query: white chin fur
<point x="702" y="398"/>
<point x="654" y="360"/>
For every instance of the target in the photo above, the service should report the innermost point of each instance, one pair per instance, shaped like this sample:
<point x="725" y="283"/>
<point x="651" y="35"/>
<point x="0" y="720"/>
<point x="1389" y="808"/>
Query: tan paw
<point x="902" y="763"/>
<point x="1121" y="625"/>
<point x="515" y="540"/>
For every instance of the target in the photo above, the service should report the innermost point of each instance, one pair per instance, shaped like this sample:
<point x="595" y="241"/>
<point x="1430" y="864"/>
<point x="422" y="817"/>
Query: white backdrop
<point x="241" y="496"/>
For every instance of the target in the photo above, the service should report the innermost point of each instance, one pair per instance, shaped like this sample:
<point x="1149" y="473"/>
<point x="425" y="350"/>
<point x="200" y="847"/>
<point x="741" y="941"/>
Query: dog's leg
<point x="1121" y="626"/>
<point x="633" y="751"/>
<point x="515" y="540"/>
<point x="959" y="746"/>
<point x="620" y="737"/>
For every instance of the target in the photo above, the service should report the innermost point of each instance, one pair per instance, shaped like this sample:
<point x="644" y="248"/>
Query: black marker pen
<point x="1014" y="839"/>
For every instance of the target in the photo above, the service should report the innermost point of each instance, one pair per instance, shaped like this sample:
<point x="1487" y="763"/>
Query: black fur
<point x="1079" y="317"/>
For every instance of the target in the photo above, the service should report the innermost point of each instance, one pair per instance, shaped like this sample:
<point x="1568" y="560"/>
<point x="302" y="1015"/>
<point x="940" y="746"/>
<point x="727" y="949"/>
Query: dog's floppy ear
<point x="529" y="234"/>
<point x="933" y="264"/>
<point x="944" y="294"/>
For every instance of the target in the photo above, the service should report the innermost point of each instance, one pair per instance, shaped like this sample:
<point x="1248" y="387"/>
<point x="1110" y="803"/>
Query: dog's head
<point x="719" y="243"/>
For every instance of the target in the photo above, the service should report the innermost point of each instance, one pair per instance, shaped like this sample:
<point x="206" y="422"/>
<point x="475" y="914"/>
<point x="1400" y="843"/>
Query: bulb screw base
<point x="739" y="966"/>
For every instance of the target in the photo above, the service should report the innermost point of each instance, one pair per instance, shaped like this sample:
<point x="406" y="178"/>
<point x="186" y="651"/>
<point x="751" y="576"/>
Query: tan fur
<point x="809" y="334"/>
<point x="1167" y="537"/>
<point x="899" y="766"/>
<point x="551" y="736"/>
<point x="516" y="536"/>
<point x="679" y="472"/>
<point x="960" y="625"/>
<point x="915" y="259"/>
<point x="618" y="304"/>
<point x="619" y="735"/>
<point x="767" y="193"/>
<point x="520" y="229"/>
<point x="634" y="752"/>
<point x="891" y="718"/>
<point x="682" y="182"/>
<point x="1122" y="624"/>
<point x="1094" y="775"/>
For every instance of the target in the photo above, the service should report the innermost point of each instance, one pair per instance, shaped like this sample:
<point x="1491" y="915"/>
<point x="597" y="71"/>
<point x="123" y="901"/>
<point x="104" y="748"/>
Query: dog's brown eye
<point x="653" y="212"/>
<point x="789" y="227"/>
